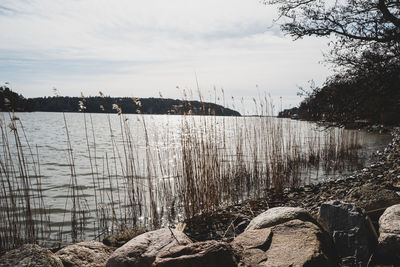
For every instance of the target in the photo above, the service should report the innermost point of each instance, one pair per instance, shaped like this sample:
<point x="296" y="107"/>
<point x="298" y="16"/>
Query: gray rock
<point x="143" y="250"/>
<point x="209" y="253"/>
<point x="293" y="243"/>
<point x="352" y="231"/>
<point x="389" y="222"/>
<point x="388" y="251"/>
<point x="30" y="256"/>
<point x="279" y="215"/>
<point x="88" y="254"/>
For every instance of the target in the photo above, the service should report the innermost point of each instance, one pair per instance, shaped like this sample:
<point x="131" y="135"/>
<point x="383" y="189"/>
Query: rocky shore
<point x="348" y="222"/>
<point x="373" y="188"/>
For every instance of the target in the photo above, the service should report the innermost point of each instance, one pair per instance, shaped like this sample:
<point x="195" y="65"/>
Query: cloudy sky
<point x="141" y="48"/>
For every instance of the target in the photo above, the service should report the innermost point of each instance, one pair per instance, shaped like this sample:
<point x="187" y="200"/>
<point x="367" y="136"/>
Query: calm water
<point x="155" y="147"/>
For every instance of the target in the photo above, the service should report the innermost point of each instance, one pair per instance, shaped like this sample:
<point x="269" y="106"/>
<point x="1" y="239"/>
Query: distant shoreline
<point x="11" y="101"/>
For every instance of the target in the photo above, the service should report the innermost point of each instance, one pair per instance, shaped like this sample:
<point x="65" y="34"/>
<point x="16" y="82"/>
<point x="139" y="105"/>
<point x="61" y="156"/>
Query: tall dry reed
<point x="212" y="162"/>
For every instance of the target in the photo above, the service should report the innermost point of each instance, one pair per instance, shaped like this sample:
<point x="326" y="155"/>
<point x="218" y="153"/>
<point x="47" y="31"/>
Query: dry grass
<point x="23" y="214"/>
<point x="213" y="162"/>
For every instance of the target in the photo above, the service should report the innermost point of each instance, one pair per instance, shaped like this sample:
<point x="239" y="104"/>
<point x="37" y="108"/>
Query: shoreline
<point x="229" y="235"/>
<point x="373" y="188"/>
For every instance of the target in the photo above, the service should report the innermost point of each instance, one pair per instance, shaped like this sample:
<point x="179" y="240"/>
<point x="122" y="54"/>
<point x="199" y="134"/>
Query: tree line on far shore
<point x="11" y="101"/>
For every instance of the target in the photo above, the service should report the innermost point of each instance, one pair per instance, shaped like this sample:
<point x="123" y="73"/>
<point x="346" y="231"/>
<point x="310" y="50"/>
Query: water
<point x="112" y="150"/>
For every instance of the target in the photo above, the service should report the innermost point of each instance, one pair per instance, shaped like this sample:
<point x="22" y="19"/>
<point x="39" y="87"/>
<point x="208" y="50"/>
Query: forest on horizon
<point x="11" y="101"/>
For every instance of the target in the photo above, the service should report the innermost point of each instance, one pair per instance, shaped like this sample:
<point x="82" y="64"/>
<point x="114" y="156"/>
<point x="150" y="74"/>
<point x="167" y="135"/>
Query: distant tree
<point x="369" y="89"/>
<point x="128" y="105"/>
<point x="11" y="101"/>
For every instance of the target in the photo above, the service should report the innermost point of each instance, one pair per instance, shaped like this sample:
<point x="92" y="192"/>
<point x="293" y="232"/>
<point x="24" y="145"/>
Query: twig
<point x="231" y="224"/>
<point x="179" y="243"/>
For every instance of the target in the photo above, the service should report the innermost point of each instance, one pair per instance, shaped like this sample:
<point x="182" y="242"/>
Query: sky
<point x="141" y="48"/>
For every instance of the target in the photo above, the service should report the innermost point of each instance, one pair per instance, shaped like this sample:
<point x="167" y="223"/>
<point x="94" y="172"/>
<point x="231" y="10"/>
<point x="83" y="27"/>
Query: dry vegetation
<point x="212" y="162"/>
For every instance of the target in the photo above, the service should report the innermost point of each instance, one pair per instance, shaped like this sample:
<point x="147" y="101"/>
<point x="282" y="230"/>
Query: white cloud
<point x="142" y="47"/>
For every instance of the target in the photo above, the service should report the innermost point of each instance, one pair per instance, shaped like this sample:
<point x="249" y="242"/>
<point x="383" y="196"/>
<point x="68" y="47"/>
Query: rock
<point x="143" y="250"/>
<point x="209" y="253"/>
<point x="30" y="255"/>
<point x="389" y="222"/>
<point x="252" y="246"/>
<point x="373" y="197"/>
<point x="352" y="231"/>
<point x="293" y="243"/>
<point x="120" y="239"/>
<point x="88" y="254"/>
<point x="279" y="215"/>
<point x="388" y="251"/>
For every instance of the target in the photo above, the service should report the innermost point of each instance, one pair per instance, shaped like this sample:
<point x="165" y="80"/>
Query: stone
<point x="293" y="243"/>
<point x="351" y="229"/>
<point x="208" y="253"/>
<point x="388" y="251"/>
<point x="88" y="254"/>
<point x="372" y="197"/>
<point x="389" y="222"/>
<point x="279" y="215"/>
<point x="30" y="256"/>
<point x="252" y="245"/>
<point x="121" y="238"/>
<point x="143" y="250"/>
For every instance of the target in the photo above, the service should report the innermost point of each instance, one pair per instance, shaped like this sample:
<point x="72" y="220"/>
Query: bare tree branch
<point x="376" y="21"/>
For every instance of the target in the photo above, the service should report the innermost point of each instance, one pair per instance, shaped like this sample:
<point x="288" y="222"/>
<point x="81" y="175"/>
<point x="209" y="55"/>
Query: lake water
<point x="112" y="162"/>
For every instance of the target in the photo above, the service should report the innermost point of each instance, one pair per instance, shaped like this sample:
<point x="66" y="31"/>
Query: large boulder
<point x="352" y="231"/>
<point x="208" y="253"/>
<point x="389" y="222"/>
<point x="143" y="250"/>
<point x="293" y="243"/>
<point x="279" y="215"/>
<point x="121" y="238"/>
<point x="88" y="254"/>
<point x="28" y="256"/>
<point x="388" y="251"/>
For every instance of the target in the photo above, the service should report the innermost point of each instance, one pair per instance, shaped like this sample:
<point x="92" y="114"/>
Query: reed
<point x="23" y="212"/>
<point x="159" y="178"/>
